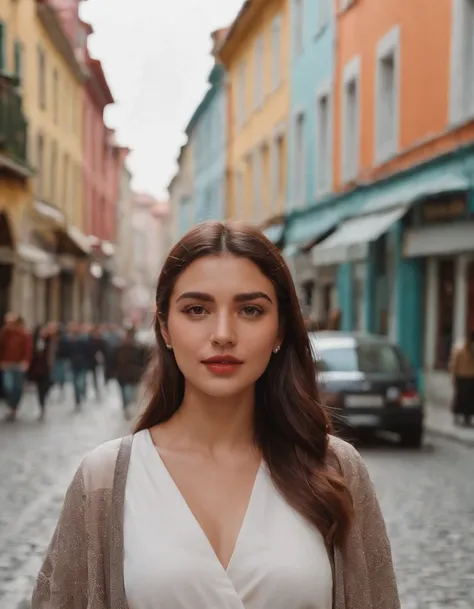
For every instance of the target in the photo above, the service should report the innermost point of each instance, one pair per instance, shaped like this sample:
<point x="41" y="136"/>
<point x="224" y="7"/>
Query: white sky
<point x="156" y="58"/>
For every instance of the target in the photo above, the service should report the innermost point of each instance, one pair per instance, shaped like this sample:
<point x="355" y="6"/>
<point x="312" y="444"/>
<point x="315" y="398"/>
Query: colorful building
<point x="209" y="124"/>
<point x="310" y="150"/>
<point x="181" y="190"/>
<point x="255" y="55"/>
<point x="15" y="169"/>
<point x="400" y="242"/>
<point x="50" y="246"/>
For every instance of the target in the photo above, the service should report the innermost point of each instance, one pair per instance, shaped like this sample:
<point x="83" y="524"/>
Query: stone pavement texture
<point x="439" y="421"/>
<point x="427" y="498"/>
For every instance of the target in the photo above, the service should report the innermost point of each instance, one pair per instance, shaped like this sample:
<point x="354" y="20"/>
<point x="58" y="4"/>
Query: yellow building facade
<point x="47" y="224"/>
<point x="256" y="57"/>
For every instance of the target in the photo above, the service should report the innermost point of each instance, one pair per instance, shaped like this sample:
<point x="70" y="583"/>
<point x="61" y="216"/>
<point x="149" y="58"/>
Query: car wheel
<point x="412" y="437"/>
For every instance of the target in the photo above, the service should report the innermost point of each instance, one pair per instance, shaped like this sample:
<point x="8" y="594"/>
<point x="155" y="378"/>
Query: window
<point x="240" y="101"/>
<point x="387" y="92"/>
<point x="446" y="308"/>
<point x="53" y="172"/>
<point x="278" y="174"/>
<point x="55" y="95"/>
<point x="462" y="61"/>
<point x="3" y="46"/>
<point x="65" y="193"/>
<point x="41" y="64"/>
<point x="40" y="166"/>
<point x="339" y="356"/>
<point x="239" y="194"/>
<point x="258" y="184"/>
<point x="276" y="52"/>
<point x="300" y="169"/>
<point x="323" y="143"/>
<point x="298" y="32"/>
<point x="259" y="88"/>
<point x="18" y="67"/>
<point x="350" y="121"/>
<point x="324" y="14"/>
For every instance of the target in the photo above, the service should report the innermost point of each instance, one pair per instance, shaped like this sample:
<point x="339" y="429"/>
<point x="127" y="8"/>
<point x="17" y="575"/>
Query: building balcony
<point x="13" y="130"/>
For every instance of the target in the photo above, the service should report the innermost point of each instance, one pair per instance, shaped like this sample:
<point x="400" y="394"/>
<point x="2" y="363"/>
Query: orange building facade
<point x="399" y="226"/>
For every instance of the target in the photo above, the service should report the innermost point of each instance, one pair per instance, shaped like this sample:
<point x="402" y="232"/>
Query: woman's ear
<point x="165" y="334"/>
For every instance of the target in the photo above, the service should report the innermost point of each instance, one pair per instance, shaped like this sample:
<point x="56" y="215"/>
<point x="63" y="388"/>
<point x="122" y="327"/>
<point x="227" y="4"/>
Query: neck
<point x="212" y="423"/>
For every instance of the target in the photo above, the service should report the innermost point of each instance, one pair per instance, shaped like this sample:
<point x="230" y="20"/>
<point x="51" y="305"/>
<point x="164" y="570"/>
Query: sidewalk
<point x="439" y="422"/>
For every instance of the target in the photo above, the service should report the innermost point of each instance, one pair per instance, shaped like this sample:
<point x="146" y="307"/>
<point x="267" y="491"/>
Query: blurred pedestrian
<point x="96" y="356"/>
<point x="462" y="370"/>
<point x="79" y="356"/>
<point x="15" y="356"/>
<point x="129" y="367"/>
<point x="62" y="358"/>
<point x="40" y="371"/>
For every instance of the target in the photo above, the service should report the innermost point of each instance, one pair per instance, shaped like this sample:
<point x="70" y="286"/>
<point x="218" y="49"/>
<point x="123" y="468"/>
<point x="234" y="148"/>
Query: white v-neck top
<point x="279" y="561"/>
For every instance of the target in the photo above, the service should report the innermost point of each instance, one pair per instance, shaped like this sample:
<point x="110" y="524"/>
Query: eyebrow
<point x="244" y="297"/>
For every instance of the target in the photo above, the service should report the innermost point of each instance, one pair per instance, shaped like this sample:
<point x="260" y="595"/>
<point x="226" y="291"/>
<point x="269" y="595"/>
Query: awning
<point x="49" y="213"/>
<point x="419" y="186"/>
<point x="43" y="264"/>
<point x="439" y="240"/>
<point x="307" y="228"/>
<point x="351" y="240"/>
<point x="73" y="242"/>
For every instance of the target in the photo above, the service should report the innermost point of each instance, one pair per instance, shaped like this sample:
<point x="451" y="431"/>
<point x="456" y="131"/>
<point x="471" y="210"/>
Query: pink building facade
<point x="103" y="164"/>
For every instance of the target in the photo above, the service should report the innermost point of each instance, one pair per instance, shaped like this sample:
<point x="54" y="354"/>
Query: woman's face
<point x="223" y="324"/>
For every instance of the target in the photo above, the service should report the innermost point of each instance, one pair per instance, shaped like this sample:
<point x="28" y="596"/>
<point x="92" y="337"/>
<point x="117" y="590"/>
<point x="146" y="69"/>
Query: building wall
<point x="57" y="117"/>
<point x="311" y="74"/>
<point x="210" y="156"/>
<point x="124" y="241"/>
<point x="261" y="123"/>
<point x="182" y="191"/>
<point x="426" y="71"/>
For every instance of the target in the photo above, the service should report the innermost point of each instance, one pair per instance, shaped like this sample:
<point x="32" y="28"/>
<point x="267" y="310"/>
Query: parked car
<point x="368" y="384"/>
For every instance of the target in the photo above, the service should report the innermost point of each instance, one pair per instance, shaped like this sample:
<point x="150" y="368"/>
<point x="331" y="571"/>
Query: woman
<point x="231" y="493"/>
<point x="41" y="366"/>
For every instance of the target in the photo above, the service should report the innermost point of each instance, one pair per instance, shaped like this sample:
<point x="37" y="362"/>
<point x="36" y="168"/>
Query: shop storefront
<point x="440" y="234"/>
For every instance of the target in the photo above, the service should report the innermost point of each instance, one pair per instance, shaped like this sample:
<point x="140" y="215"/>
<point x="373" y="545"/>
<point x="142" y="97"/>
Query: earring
<point x="276" y="349"/>
<point x="169" y="347"/>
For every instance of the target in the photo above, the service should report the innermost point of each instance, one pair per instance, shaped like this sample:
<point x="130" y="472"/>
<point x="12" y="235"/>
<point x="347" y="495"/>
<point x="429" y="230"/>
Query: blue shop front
<point x="383" y="250"/>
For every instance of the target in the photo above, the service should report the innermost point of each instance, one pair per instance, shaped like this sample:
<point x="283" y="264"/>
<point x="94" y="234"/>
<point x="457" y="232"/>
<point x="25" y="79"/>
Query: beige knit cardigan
<point x="83" y="568"/>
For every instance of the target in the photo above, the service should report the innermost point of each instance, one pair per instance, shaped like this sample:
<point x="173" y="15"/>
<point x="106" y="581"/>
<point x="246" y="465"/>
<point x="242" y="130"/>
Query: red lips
<point x="222" y="359"/>
<point x="222" y="365"/>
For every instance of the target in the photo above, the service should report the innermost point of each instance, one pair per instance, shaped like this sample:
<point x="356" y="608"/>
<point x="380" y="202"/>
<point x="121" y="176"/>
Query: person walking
<point x="79" y="356"/>
<point x="96" y="355"/>
<point x="129" y="367"/>
<point x="40" y="371"/>
<point x="232" y="491"/>
<point x="15" y="356"/>
<point x="462" y="370"/>
<point x="62" y="363"/>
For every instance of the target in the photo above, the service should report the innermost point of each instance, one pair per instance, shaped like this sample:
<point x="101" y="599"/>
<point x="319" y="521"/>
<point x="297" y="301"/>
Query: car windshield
<point x="366" y="358"/>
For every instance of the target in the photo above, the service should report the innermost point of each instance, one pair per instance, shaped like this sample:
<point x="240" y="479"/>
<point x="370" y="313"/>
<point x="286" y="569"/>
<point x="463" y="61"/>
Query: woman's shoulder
<point x="348" y="459"/>
<point x="99" y="465"/>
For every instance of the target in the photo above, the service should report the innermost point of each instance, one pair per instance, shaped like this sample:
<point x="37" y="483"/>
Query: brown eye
<point x="195" y="311"/>
<point x="252" y="311"/>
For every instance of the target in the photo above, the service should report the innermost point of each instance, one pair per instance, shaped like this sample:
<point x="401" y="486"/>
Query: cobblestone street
<point x="427" y="498"/>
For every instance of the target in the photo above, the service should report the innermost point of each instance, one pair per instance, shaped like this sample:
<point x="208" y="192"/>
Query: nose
<point x="223" y="333"/>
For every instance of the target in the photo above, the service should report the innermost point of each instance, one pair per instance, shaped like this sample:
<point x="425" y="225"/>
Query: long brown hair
<point x="291" y="425"/>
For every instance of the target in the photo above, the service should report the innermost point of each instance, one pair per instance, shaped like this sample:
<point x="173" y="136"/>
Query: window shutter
<point x="18" y="59"/>
<point x="2" y="47"/>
